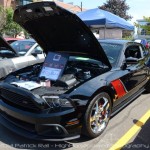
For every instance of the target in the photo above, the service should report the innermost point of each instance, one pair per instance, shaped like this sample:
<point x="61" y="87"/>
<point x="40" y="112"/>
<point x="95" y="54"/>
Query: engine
<point x="74" y="73"/>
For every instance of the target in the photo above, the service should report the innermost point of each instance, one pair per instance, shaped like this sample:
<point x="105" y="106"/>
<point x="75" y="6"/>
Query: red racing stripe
<point x="119" y="88"/>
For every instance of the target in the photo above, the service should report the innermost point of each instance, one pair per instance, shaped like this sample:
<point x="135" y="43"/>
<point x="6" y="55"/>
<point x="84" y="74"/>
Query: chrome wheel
<point x="99" y="115"/>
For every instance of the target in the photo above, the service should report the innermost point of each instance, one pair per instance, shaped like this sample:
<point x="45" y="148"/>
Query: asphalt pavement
<point x="142" y="140"/>
<point x="126" y="129"/>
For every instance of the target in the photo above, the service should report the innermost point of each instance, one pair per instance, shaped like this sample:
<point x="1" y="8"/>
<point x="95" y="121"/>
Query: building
<point x="6" y="3"/>
<point x="69" y="6"/>
<point x="141" y="33"/>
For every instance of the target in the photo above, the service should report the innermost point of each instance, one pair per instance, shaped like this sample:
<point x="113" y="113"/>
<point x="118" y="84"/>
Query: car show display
<point x="79" y="86"/>
<point x="54" y="65"/>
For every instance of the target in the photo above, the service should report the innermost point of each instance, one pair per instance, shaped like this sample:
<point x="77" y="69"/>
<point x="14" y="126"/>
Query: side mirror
<point x="131" y="60"/>
<point x="123" y="66"/>
<point x="36" y="53"/>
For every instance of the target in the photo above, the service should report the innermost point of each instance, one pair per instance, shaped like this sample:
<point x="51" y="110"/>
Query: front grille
<point x="18" y="100"/>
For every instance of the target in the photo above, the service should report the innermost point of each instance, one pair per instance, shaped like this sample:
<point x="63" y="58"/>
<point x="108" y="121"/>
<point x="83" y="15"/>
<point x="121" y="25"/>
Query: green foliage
<point x="117" y="7"/>
<point x="2" y="18"/>
<point x="9" y="27"/>
<point x="127" y="35"/>
<point x="128" y="38"/>
<point x="146" y="27"/>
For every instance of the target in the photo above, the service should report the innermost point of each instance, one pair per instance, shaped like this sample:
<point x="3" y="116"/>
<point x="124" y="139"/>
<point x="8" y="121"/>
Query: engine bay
<point x="75" y="72"/>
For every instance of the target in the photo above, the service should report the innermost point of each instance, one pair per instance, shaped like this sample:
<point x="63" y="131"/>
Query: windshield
<point x="6" y="53"/>
<point x="22" y="47"/>
<point x="112" y="51"/>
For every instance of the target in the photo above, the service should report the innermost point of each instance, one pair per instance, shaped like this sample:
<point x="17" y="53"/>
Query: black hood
<point x="5" y="45"/>
<point x="56" y="29"/>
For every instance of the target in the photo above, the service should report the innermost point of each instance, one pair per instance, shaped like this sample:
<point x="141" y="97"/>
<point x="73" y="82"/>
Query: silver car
<point x="20" y="54"/>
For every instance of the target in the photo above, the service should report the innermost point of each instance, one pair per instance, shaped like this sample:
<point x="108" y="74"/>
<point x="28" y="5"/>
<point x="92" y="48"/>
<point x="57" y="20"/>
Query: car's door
<point x="135" y="74"/>
<point x="35" y="56"/>
<point x="137" y="71"/>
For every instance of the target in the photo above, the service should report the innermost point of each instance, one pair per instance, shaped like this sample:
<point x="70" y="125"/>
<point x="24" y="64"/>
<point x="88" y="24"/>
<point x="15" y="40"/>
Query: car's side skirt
<point x="127" y="101"/>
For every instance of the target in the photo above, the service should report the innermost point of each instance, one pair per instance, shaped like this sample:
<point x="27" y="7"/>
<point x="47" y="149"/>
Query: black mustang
<point x="91" y="86"/>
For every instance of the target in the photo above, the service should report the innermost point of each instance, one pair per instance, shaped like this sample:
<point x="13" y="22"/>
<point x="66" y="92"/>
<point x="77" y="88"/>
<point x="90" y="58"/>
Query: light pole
<point x="81" y="6"/>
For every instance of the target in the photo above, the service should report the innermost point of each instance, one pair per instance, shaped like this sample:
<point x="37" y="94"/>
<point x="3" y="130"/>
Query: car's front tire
<point x="97" y="115"/>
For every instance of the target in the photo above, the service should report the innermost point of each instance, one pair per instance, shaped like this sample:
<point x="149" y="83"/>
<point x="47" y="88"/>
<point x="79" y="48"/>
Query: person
<point x="20" y="35"/>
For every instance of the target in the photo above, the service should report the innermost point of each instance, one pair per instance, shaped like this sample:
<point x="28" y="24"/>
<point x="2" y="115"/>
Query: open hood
<point x="4" y="45"/>
<point x="58" y="30"/>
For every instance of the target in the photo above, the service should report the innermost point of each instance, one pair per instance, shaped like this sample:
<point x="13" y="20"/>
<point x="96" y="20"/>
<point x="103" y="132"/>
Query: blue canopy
<point x="98" y="17"/>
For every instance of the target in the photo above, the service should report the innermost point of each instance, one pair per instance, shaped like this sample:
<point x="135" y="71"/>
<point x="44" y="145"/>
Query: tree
<point x="146" y="27"/>
<point x="117" y="7"/>
<point x="10" y="27"/>
<point x="2" y="18"/>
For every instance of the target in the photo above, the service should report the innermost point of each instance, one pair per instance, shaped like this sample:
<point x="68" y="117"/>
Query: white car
<point x="20" y="54"/>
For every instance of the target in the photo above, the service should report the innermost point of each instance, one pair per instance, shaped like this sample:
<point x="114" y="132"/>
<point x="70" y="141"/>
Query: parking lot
<point x="130" y="129"/>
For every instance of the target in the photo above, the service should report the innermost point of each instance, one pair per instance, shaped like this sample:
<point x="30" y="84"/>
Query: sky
<point x="138" y="8"/>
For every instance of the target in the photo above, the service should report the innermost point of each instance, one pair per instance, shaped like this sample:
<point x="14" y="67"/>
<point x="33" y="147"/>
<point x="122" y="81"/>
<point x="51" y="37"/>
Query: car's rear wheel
<point x="97" y="115"/>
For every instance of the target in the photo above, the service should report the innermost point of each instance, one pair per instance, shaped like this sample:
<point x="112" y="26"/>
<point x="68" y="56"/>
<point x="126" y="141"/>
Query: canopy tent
<point x="101" y="18"/>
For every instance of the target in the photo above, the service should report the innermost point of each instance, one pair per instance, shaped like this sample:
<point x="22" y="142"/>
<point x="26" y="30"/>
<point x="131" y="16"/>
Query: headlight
<point x="56" y="101"/>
